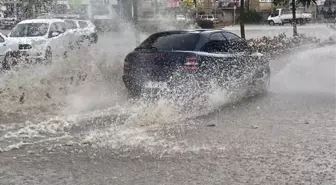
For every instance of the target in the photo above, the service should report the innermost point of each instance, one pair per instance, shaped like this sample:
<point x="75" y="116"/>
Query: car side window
<point x="217" y="36"/>
<point x="60" y="27"/>
<point x="216" y="46"/>
<point x="231" y="36"/>
<point x="82" y="24"/>
<point x="237" y="44"/>
<point x="53" y="28"/>
<point x="2" y="39"/>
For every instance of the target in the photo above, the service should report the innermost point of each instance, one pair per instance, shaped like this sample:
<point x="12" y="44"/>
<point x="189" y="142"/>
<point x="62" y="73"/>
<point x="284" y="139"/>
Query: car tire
<point x="94" y="38"/>
<point x="260" y="85"/>
<point x="71" y="46"/>
<point x="8" y="62"/>
<point x="65" y="54"/>
<point x="271" y="23"/>
<point x="48" y="56"/>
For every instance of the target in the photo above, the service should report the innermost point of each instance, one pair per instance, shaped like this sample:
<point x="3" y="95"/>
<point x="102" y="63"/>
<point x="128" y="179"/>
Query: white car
<point x="181" y="18"/>
<point x="6" y="47"/>
<point x="84" y="29"/>
<point x="41" y="39"/>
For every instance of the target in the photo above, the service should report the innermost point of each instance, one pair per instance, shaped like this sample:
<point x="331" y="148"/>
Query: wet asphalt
<point x="284" y="137"/>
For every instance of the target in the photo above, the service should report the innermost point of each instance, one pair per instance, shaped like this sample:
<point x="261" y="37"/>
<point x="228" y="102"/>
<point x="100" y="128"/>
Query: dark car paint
<point x="144" y="65"/>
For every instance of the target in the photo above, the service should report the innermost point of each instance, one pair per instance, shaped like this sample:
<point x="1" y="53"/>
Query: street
<point x="91" y="134"/>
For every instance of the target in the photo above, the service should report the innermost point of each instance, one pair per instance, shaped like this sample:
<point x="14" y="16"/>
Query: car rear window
<point x="171" y="41"/>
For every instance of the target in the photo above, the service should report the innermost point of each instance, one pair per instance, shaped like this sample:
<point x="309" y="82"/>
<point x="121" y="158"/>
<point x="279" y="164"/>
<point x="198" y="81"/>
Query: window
<point x="231" y="36"/>
<point x="82" y="24"/>
<point x="217" y="36"/>
<point x="53" y="28"/>
<point x="237" y="44"/>
<point x="61" y="27"/>
<point x="30" y="30"/>
<point x="215" y="46"/>
<point x="171" y="41"/>
<point x="71" y="24"/>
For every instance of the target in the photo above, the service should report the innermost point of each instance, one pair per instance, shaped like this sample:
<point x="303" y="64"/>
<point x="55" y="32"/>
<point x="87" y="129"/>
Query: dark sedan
<point x="179" y="58"/>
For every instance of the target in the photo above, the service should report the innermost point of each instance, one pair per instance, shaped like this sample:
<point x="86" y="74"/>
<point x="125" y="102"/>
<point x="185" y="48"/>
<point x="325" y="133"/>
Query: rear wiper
<point x="150" y="48"/>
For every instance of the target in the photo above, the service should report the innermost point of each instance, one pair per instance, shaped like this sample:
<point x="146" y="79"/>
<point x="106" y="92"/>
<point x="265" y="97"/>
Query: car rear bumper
<point x="195" y="80"/>
<point x="183" y="82"/>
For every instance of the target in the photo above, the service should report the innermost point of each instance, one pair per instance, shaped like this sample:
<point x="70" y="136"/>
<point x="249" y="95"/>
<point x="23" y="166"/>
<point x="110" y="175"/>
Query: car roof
<point x="41" y="21"/>
<point x="199" y="31"/>
<point x="78" y="20"/>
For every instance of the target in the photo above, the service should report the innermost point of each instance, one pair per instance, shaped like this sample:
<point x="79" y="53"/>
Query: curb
<point x="312" y="46"/>
<point x="301" y="48"/>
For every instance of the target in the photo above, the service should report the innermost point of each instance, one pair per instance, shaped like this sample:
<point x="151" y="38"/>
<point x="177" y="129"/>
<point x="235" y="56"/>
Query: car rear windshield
<point x="30" y="30"/>
<point x="171" y="41"/>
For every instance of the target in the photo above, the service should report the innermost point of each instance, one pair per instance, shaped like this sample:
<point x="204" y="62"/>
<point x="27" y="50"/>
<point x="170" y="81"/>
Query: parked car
<point x="8" y="22"/>
<point x="41" y="39"/>
<point x="83" y="27"/>
<point x="181" y="17"/>
<point x="6" y="47"/>
<point x="166" y="60"/>
<point x="282" y="16"/>
<point x="88" y="30"/>
<point x="73" y="28"/>
<point x="84" y="30"/>
<point x="209" y="18"/>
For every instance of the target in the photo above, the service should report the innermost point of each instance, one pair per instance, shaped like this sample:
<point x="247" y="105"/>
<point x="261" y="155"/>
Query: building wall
<point x="93" y="8"/>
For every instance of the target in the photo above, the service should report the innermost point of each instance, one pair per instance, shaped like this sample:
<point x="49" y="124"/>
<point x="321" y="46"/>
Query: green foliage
<point x="74" y="3"/>
<point x="251" y="17"/>
<point x="305" y="3"/>
<point x="188" y="3"/>
<point x="39" y="5"/>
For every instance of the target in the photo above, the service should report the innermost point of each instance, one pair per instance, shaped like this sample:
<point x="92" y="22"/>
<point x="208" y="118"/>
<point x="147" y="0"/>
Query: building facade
<point x="92" y="9"/>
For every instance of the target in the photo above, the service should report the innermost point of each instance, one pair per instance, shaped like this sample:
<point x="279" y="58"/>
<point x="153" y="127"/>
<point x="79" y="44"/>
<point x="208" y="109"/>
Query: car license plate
<point x="156" y="85"/>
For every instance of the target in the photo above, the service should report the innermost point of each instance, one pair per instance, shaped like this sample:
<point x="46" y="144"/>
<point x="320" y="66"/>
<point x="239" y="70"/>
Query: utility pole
<point x="155" y="8"/>
<point x="242" y="27"/>
<point x="234" y="12"/>
<point x="15" y="9"/>
<point x="294" y="19"/>
<point x="135" y="21"/>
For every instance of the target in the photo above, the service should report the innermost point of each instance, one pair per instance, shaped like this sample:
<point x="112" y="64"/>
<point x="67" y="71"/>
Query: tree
<point x="188" y="3"/>
<point x="293" y="3"/>
<point x="31" y="7"/>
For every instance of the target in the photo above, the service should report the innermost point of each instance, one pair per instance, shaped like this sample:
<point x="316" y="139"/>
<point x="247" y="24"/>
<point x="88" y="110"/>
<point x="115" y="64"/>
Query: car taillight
<point x="191" y="63"/>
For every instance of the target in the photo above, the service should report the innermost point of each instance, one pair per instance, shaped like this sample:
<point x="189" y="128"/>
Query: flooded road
<point x="87" y="132"/>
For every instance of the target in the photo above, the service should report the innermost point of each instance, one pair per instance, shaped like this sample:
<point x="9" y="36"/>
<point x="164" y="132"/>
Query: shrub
<point x="252" y="17"/>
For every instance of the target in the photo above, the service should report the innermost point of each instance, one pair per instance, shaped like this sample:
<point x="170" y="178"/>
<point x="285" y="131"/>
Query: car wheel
<point x="94" y="38"/>
<point x="8" y="62"/>
<point x="65" y="54"/>
<point x="48" y="56"/>
<point x="260" y="85"/>
<point x="271" y="23"/>
<point x="71" y="46"/>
